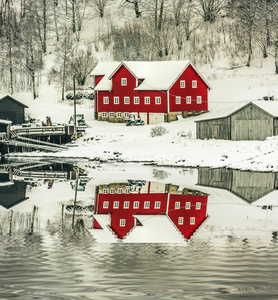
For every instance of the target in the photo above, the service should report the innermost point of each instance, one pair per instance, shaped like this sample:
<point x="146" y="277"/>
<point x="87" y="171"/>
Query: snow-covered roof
<point x="156" y="75"/>
<point x="155" y="229"/>
<point x="270" y="107"/>
<point x="104" y="235"/>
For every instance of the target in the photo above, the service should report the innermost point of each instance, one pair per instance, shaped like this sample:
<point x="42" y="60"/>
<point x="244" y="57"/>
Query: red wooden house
<point x="153" y="212"/>
<point x="157" y="91"/>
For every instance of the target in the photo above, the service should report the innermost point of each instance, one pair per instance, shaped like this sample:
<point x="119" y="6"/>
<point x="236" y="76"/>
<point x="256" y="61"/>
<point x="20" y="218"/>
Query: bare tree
<point x="245" y="15"/>
<point x="211" y="9"/>
<point x="100" y="5"/>
<point x="135" y="4"/>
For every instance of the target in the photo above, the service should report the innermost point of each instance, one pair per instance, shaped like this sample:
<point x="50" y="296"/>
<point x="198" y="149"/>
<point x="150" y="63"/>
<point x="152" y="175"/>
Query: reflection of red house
<point x="157" y="91"/>
<point x="127" y="208"/>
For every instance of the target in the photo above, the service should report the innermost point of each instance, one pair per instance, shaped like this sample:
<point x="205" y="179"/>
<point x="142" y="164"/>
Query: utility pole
<point x="74" y="105"/>
<point x="75" y="197"/>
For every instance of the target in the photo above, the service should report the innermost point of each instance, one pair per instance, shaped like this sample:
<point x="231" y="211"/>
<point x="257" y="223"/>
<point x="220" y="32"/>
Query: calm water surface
<point x="56" y="262"/>
<point x="73" y="266"/>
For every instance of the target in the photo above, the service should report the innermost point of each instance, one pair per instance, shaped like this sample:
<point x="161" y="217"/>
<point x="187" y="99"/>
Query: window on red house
<point x="124" y="81"/>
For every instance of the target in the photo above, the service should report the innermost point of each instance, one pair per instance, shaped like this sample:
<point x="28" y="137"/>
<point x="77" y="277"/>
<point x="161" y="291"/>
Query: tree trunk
<point x="11" y="65"/>
<point x="276" y="56"/>
<point x="33" y="69"/>
<point x="55" y="20"/>
<point x="44" y="27"/>
<point x="73" y="17"/>
<point x="160" y="15"/>
<point x="249" y="49"/>
<point x="136" y="8"/>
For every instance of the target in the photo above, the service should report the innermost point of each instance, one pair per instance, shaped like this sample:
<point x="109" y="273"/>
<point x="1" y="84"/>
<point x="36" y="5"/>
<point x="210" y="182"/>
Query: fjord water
<point x="74" y="266"/>
<point x="231" y="255"/>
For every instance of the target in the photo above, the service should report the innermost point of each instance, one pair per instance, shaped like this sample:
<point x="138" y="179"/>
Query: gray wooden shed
<point x="253" y="121"/>
<point x="12" y="110"/>
<point x="249" y="186"/>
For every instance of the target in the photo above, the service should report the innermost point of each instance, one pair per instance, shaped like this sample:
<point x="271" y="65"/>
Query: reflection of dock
<point x="249" y="186"/>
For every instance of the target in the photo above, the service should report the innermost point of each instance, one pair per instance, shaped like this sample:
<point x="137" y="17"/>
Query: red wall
<point x="128" y="91"/>
<point x="127" y="213"/>
<point x="200" y="215"/>
<point x="121" y="91"/>
<point x="117" y="214"/>
<point x="202" y="90"/>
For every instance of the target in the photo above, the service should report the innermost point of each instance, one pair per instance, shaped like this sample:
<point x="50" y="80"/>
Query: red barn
<point x="149" y="212"/>
<point x="157" y="91"/>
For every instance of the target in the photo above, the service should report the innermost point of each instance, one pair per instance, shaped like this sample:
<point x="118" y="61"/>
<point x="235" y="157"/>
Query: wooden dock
<point x="43" y="138"/>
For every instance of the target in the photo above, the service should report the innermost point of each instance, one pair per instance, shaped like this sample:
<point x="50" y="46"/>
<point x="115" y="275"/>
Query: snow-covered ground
<point x="179" y="146"/>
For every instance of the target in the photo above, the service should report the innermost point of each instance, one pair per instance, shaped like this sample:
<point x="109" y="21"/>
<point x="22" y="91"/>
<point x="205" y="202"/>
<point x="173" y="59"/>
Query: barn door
<point x="251" y="130"/>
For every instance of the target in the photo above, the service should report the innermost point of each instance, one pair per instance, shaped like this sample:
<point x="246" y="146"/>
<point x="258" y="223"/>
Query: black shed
<point x="12" y="110"/>
<point x="256" y="120"/>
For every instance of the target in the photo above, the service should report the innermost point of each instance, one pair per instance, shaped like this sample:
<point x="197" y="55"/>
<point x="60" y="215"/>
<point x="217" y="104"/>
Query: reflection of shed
<point x="12" y="110"/>
<point x="12" y="193"/>
<point x="250" y="186"/>
<point x="253" y="121"/>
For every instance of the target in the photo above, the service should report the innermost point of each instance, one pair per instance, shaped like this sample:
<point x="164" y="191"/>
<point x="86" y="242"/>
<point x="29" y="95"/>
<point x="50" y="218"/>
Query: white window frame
<point x="157" y="100"/>
<point x="105" y="191"/>
<point x="136" y="100"/>
<point x="136" y="204"/>
<point x="147" y="100"/>
<point x="147" y="204"/>
<point x="105" y="204"/>
<point x="119" y="115"/>
<point x="116" y="204"/>
<point x="105" y="100"/>
<point x="116" y="100"/>
<point x="126" y="204"/>
<point x="188" y="99"/>
<point x="124" y="81"/>
<point x="111" y="115"/>
<point x="177" y="205"/>
<point x="198" y="205"/>
<point x="122" y="222"/>
<point x="182" y="84"/>
<point x="199" y="99"/>
<point x="120" y="191"/>
<point x="178" y="99"/>
<point x="187" y="205"/>
<point x="157" y="204"/>
<point x="112" y="191"/>
<point x="104" y="114"/>
<point x="180" y="220"/>
<point x="194" y="84"/>
<point x="126" y="115"/>
<point x="126" y="100"/>
<point x="127" y="190"/>
<point x="192" y="220"/>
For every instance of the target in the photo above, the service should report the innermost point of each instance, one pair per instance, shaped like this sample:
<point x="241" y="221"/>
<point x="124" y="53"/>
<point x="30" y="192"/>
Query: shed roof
<point x="14" y="100"/>
<point x="156" y="75"/>
<point x="270" y="107"/>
